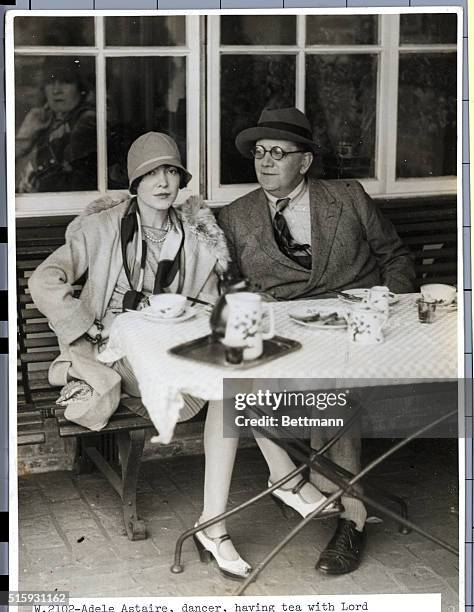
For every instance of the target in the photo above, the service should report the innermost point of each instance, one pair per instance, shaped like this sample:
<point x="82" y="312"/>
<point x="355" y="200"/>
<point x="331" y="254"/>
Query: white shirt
<point x="296" y="213"/>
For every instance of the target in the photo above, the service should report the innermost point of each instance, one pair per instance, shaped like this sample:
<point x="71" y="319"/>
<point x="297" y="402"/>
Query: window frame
<point x="68" y="203"/>
<point x="203" y="102"/>
<point x="387" y="50"/>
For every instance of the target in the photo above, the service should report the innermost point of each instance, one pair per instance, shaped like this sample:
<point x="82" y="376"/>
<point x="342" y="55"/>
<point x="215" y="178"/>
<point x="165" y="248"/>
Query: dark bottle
<point x="229" y="284"/>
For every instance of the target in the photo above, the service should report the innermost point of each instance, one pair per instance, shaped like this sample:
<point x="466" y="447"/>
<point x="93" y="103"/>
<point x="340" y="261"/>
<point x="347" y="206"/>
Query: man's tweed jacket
<point x="353" y="244"/>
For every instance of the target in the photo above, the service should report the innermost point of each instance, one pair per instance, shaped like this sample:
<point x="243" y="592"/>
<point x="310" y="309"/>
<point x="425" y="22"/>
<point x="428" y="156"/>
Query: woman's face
<point x="62" y="97"/>
<point x="159" y="188"/>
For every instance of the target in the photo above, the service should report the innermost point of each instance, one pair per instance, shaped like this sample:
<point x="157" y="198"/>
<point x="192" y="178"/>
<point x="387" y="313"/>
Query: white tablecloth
<point x="410" y="350"/>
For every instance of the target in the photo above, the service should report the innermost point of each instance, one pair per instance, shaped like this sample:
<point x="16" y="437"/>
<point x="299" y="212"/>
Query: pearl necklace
<point x="163" y="238"/>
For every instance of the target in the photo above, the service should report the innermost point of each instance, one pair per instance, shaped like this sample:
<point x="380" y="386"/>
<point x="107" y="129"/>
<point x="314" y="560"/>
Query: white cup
<point x="244" y="323"/>
<point x="167" y="305"/>
<point x="441" y="294"/>
<point x="365" y="325"/>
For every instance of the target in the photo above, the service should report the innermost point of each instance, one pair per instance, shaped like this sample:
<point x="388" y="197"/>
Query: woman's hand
<point x="37" y="120"/>
<point x="143" y="303"/>
<point x="94" y="333"/>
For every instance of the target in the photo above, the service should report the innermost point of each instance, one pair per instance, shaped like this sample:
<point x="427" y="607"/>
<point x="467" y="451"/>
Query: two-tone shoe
<point x="294" y="499"/>
<point x="209" y="549"/>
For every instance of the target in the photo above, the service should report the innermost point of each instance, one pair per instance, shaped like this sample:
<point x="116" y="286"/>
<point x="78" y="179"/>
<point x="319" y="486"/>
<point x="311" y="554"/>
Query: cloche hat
<point x="279" y="124"/>
<point x="151" y="150"/>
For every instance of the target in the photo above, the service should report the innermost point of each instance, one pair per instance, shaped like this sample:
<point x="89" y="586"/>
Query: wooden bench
<point x="428" y="227"/>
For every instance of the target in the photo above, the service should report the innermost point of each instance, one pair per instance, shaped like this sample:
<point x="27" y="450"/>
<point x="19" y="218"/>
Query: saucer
<point x="187" y="314"/>
<point x="319" y="317"/>
<point x="393" y="298"/>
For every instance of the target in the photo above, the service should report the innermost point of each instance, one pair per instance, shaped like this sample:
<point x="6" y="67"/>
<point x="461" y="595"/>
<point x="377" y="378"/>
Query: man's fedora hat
<point x="278" y="124"/>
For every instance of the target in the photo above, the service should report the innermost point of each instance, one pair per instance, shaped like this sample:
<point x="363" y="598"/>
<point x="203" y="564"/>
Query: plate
<point x="393" y="298"/>
<point x="319" y="317"/>
<point x="188" y="313"/>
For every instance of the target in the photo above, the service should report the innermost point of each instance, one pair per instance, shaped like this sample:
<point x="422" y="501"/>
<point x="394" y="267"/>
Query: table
<point x="411" y="350"/>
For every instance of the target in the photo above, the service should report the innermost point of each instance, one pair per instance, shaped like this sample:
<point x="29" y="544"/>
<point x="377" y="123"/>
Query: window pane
<point x="143" y="94"/>
<point x="250" y="83"/>
<point x="428" y="29"/>
<point x="258" y="30"/>
<point x="426" y="144"/>
<point x="341" y="30"/>
<point x="67" y="31"/>
<point x="56" y="141"/>
<point x="145" y="31"/>
<point x="341" y="105"/>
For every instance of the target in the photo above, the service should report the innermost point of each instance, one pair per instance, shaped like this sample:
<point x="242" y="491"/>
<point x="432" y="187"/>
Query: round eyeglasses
<point x="276" y="152"/>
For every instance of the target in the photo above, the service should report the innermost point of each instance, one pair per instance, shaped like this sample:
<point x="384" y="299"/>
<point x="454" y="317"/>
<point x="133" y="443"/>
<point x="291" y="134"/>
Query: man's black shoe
<point x="343" y="553"/>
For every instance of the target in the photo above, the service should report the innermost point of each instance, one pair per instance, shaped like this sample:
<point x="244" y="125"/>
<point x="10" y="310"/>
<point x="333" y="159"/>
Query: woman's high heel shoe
<point x="293" y="498"/>
<point x="208" y="549"/>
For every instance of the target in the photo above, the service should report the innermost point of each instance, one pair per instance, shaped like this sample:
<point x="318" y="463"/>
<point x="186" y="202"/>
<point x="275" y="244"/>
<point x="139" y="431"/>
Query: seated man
<point x="296" y="238"/>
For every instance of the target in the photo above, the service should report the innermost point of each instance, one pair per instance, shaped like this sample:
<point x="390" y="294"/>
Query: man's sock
<point x="354" y="510"/>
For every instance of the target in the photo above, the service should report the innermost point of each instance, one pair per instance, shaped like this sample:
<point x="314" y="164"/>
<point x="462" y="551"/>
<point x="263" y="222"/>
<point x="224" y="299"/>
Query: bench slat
<point x="28" y="264"/>
<point x="31" y="313"/>
<point x="38" y="376"/>
<point x="437" y="253"/>
<point x="435" y="239"/>
<point x="39" y="385"/>
<point x="40" y="356"/>
<point x="426" y="227"/>
<point x="133" y="422"/>
<point x="121" y="420"/>
<point x="50" y="395"/>
<point x="435" y="267"/>
<point x="24" y="439"/>
<point x="35" y="342"/>
<point x="36" y="328"/>
<point x="31" y="417"/>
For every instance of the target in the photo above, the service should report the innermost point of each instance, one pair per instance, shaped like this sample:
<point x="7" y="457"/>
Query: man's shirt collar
<point x="294" y="196"/>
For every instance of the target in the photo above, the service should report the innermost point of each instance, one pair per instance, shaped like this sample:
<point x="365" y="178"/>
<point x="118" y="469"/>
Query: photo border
<point x="463" y="324"/>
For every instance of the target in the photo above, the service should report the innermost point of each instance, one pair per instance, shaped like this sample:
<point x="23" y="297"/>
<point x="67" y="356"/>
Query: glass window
<point x="56" y="141"/>
<point x="258" y="30"/>
<point x="431" y="28"/>
<point x="145" y="31"/>
<point x="426" y="115"/>
<point x="143" y="94"/>
<point x="341" y="30"/>
<point x="250" y="83"/>
<point x="341" y="105"/>
<point x="64" y="31"/>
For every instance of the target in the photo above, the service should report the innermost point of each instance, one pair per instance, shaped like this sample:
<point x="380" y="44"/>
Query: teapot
<point x="229" y="283"/>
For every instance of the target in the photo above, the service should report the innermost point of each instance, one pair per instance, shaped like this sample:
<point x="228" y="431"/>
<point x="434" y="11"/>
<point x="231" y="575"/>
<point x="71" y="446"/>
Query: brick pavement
<point x="72" y="537"/>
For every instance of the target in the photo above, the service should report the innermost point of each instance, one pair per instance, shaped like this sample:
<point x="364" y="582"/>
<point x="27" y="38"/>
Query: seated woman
<point x="131" y="249"/>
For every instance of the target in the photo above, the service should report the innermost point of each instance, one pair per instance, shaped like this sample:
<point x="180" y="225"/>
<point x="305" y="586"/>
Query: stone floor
<point x="72" y="537"/>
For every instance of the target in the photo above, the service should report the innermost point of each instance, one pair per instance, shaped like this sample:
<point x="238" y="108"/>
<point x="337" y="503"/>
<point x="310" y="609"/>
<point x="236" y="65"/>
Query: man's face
<point x="280" y="177"/>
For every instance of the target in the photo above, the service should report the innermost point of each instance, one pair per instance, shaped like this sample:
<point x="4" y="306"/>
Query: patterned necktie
<point x="299" y="253"/>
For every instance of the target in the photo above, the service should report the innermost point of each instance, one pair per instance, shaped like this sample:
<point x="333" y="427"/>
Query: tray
<point x="211" y="351"/>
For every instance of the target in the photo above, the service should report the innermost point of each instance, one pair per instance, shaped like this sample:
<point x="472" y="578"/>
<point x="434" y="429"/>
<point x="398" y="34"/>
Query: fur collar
<point x="196" y="216"/>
